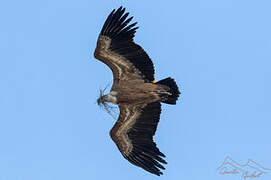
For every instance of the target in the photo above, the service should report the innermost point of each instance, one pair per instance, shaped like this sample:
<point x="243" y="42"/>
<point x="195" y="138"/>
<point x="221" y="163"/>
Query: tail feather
<point x="173" y="93"/>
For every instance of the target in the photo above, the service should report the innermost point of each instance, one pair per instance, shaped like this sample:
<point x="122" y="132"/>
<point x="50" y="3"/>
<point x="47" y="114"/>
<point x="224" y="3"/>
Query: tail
<point x="172" y="94"/>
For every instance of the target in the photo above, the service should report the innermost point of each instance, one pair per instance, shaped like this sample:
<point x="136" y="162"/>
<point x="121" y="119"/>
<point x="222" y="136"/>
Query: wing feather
<point x="117" y="49"/>
<point x="133" y="134"/>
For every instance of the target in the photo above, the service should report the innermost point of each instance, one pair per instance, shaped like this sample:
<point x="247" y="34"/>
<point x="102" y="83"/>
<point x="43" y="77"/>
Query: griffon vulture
<point x="135" y="91"/>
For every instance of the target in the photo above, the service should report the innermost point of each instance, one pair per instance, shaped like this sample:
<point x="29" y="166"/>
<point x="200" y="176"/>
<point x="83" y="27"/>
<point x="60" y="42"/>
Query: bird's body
<point x="135" y="91"/>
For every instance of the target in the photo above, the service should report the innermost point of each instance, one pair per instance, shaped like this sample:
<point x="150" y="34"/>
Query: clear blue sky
<point x="219" y="52"/>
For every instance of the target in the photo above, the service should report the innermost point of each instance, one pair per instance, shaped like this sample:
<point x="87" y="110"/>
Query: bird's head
<point x="103" y="100"/>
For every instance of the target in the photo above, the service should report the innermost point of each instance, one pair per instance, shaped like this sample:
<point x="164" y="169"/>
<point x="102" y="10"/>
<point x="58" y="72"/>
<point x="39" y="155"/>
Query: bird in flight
<point x="135" y="91"/>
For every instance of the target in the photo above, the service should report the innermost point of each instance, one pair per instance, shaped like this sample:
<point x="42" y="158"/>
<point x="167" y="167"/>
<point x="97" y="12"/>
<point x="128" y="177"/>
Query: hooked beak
<point x="101" y="97"/>
<point x="100" y="100"/>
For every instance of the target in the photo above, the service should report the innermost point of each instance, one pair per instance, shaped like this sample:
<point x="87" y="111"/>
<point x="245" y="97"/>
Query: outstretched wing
<point x="133" y="134"/>
<point x="116" y="48"/>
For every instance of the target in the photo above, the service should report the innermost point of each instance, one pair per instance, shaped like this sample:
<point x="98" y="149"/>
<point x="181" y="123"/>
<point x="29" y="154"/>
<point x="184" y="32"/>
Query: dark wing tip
<point x="146" y="162"/>
<point x="117" y="25"/>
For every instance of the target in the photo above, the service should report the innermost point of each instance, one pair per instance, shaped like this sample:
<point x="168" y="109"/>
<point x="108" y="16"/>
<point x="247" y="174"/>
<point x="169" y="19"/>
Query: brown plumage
<point x="135" y="91"/>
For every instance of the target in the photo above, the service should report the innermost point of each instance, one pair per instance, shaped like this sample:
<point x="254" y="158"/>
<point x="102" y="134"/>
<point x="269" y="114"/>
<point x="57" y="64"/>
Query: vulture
<point x="135" y="91"/>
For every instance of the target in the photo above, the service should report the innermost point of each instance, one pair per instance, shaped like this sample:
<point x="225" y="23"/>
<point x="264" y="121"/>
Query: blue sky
<point x="51" y="127"/>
